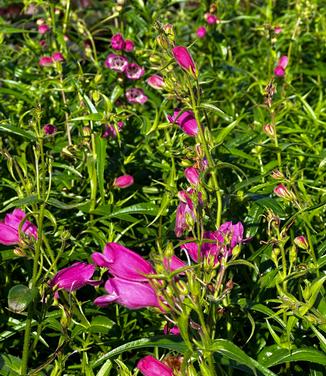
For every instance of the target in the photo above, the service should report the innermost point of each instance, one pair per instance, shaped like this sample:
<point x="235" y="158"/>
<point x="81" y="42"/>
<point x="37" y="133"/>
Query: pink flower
<point x="57" y="56"/>
<point x="192" y="175"/>
<point x="9" y="234"/>
<point x="185" y="217"/>
<point x="45" y="61"/>
<point x="186" y="121"/>
<point x="149" y="366"/>
<point x="155" y="81"/>
<point x="301" y="242"/>
<point x="173" y="263"/>
<point x="110" y="130"/>
<point x="130" y="294"/>
<point x="116" y="63"/>
<point x="136" y="95"/>
<point x="123" y="181"/>
<point x="49" y="129"/>
<point x="184" y="59"/>
<point x="129" y="45"/>
<point x="123" y="263"/>
<point x="283" y="192"/>
<point x="117" y="42"/>
<point x="74" y="277"/>
<point x="277" y="29"/>
<point x="201" y="32"/>
<point x="210" y="18"/>
<point x="174" y="330"/>
<point x="134" y="71"/>
<point x="279" y="71"/>
<point x="44" y="28"/>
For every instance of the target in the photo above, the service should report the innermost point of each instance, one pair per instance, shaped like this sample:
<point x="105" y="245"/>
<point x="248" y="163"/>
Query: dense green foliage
<point x="269" y="312"/>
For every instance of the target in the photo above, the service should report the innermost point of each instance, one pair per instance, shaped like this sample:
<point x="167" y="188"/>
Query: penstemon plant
<point x="162" y="171"/>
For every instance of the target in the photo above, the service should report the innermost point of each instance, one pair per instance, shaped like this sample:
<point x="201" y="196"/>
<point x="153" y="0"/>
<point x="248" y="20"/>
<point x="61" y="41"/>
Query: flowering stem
<point x="209" y="158"/>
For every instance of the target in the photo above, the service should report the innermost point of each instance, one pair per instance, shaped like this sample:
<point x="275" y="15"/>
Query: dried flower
<point x="49" y="129"/>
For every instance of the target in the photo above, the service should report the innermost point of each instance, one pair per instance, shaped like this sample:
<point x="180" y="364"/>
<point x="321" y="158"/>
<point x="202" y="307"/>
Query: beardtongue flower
<point x="111" y="131"/>
<point x="173" y="263"/>
<point x="201" y="32"/>
<point x="117" y="42"/>
<point x="45" y="61"/>
<point x="155" y="81"/>
<point x="49" y="129"/>
<point x="74" y="277"/>
<point x="130" y="294"/>
<point x="116" y="62"/>
<point x="277" y="29"/>
<point x="185" y="217"/>
<point x="184" y="59"/>
<point x="192" y="175"/>
<point x="186" y="121"/>
<point x="149" y="366"/>
<point x="57" y="56"/>
<point x="123" y="181"/>
<point x="9" y="228"/>
<point x="134" y="71"/>
<point x="210" y="18"/>
<point x="123" y="263"/>
<point x="42" y="29"/>
<point x="129" y="45"/>
<point x="279" y="71"/>
<point x="135" y="95"/>
<point x="174" y="330"/>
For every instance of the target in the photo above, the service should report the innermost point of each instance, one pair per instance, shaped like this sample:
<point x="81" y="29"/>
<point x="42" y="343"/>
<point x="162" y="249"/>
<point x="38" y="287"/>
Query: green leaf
<point x="61" y="205"/>
<point x="274" y="356"/>
<point x="233" y="352"/>
<point x="16" y="203"/>
<point x="101" y="324"/>
<point x="100" y="149"/>
<point x="141" y="208"/>
<point x="105" y="369"/>
<point x="19" y="297"/>
<point x="11" y="129"/>
<point x="10" y="365"/>
<point x="211" y="107"/>
<point x="223" y="133"/>
<point x="166" y="342"/>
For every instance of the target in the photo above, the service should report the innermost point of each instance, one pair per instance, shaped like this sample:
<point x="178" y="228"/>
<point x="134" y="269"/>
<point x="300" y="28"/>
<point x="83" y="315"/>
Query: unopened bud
<point x="182" y="287"/>
<point x="168" y="29"/>
<point x="301" y="242"/>
<point x="277" y="174"/>
<point x="275" y="254"/>
<point x="293" y="254"/>
<point x="19" y="252"/>
<point x="212" y="8"/>
<point x="169" y="252"/>
<point x="283" y="192"/>
<point x="86" y="131"/>
<point x="162" y="41"/>
<point x="269" y="129"/>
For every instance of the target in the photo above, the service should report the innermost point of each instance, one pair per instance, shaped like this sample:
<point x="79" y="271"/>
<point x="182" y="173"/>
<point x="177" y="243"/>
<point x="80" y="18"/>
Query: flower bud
<point x="269" y="129"/>
<point x="277" y="174"/>
<point x="283" y="192"/>
<point x="162" y="41"/>
<point x="169" y="32"/>
<point x="182" y="287"/>
<point x="301" y="242"/>
<point x="123" y="181"/>
<point x="192" y="175"/>
<point x="293" y="254"/>
<point x="275" y="254"/>
<point x="49" y="129"/>
<point x="184" y="59"/>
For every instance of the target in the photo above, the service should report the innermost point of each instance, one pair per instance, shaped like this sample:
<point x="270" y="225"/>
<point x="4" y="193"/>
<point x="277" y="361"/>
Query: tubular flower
<point x="201" y="32"/>
<point x="173" y="263"/>
<point x="117" y="42"/>
<point x="211" y="19"/>
<point x="279" y="71"/>
<point x="155" y="81"/>
<point x="134" y="71"/>
<point x="129" y="45"/>
<point x="9" y="227"/>
<point x="123" y="263"/>
<point x="149" y="366"/>
<point x="185" y="217"/>
<point x="45" y="61"/>
<point x="57" y="56"/>
<point x="116" y="62"/>
<point x="123" y="181"/>
<point x="74" y="277"/>
<point x="184" y="59"/>
<point x="130" y="294"/>
<point x="186" y="121"/>
<point x="192" y="175"/>
<point x="135" y="95"/>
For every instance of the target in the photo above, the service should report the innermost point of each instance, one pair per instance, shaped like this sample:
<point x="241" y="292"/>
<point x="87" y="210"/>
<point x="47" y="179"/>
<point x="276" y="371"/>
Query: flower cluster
<point x="50" y="60"/>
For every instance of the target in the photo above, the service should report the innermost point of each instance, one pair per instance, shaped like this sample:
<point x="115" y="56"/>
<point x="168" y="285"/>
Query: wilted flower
<point x="49" y="129"/>
<point x="301" y="242"/>
<point x="44" y="28"/>
<point x="74" y="277"/>
<point x="123" y="263"/>
<point x="210" y="18"/>
<point x="123" y="181"/>
<point x="155" y="81"/>
<point x="184" y="59"/>
<point x="186" y="121"/>
<point x="9" y="234"/>
<point x="201" y="32"/>
<point x="116" y="62"/>
<point x="45" y="61"/>
<point x="129" y="45"/>
<point x="136" y="95"/>
<point x="134" y="71"/>
<point x="130" y="294"/>
<point x="192" y="175"/>
<point x="149" y="366"/>
<point x="117" y="42"/>
<point x="57" y="56"/>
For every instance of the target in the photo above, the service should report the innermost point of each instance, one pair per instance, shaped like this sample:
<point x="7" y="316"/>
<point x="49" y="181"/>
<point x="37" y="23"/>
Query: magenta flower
<point x="74" y="277"/>
<point x="149" y="366"/>
<point x="174" y="330"/>
<point x="123" y="181"/>
<point x="186" y="121"/>
<point x="201" y="32"/>
<point x="111" y="131"/>
<point x="184" y="216"/>
<point x="117" y="42"/>
<point x="45" y="61"/>
<point x="277" y="29"/>
<point x="192" y="175"/>
<point x="283" y="192"/>
<point x="129" y="45"/>
<point x="116" y="62"/>
<point x="283" y="62"/>
<point x="134" y="71"/>
<point x="155" y="81"/>
<point x="184" y="59"/>
<point x="9" y="234"/>
<point x="136" y="95"/>
<point x="57" y="56"/>
<point x="173" y="263"/>
<point x="210" y="18"/>
<point x="123" y="263"/>
<point x="279" y="71"/>
<point x="43" y="29"/>
<point x="49" y="129"/>
<point x="130" y="294"/>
